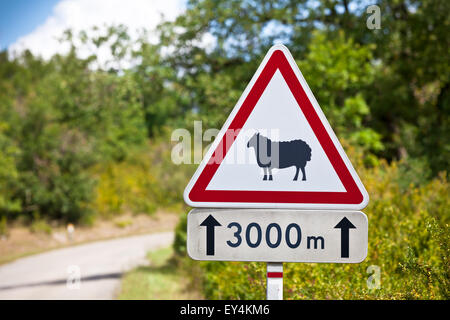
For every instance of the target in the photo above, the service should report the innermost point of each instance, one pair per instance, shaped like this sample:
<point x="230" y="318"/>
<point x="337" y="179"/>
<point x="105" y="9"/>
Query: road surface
<point x="89" y="271"/>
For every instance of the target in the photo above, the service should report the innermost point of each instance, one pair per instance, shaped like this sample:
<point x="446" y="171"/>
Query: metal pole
<point x="274" y="289"/>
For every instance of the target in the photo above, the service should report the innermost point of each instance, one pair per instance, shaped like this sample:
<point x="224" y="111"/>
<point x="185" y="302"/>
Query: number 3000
<point x="273" y="226"/>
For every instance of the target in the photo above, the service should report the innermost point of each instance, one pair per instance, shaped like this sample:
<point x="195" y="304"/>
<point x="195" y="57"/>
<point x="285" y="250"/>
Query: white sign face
<point x="286" y="123"/>
<point x="276" y="150"/>
<point x="277" y="235"/>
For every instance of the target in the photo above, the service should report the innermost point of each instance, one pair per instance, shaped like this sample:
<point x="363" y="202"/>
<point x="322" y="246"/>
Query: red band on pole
<point x="275" y="274"/>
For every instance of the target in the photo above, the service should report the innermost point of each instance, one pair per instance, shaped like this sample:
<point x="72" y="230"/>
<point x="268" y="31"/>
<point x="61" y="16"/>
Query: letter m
<point x="315" y="239"/>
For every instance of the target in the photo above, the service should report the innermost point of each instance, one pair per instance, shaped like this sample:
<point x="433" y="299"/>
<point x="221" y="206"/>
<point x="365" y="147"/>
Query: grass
<point x="41" y="226"/>
<point x="163" y="279"/>
<point x="123" y="223"/>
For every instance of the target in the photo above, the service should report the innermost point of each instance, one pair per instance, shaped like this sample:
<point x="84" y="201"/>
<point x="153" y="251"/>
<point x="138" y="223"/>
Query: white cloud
<point x="83" y="14"/>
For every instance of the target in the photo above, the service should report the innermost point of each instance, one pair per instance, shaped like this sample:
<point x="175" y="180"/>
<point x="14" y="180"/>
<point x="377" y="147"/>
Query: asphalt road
<point x="89" y="271"/>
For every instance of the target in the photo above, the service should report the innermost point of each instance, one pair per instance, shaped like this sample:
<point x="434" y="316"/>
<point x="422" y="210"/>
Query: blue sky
<point x="37" y="25"/>
<point x="20" y="17"/>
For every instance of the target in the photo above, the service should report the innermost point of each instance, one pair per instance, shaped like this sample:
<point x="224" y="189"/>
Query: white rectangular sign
<point x="276" y="235"/>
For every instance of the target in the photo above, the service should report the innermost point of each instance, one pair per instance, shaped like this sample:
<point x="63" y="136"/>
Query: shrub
<point x="8" y="174"/>
<point x="146" y="181"/>
<point x="3" y="226"/>
<point x="179" y="244"/>
<point x="56" y="126"/>
<point x="125" y="187"/>
<point x="40" y="226"/>
<point x="408" y="241"/>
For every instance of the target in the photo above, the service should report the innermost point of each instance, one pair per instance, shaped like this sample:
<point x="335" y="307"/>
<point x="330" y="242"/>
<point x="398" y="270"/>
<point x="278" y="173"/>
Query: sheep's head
<point x="253" y="142"/>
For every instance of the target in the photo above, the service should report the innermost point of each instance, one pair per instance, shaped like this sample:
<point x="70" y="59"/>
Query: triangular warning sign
<point x="276" y="150"/>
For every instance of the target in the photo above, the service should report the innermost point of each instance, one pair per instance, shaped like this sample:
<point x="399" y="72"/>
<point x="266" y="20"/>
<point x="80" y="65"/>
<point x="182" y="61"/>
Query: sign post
<point x="280" y="183"/>
<point x="274" y="286"/>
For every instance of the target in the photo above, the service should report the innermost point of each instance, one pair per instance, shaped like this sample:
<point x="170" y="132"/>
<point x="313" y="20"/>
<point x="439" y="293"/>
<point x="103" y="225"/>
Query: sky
<point x="20" y="17"/>
<point x="36" y="24"/>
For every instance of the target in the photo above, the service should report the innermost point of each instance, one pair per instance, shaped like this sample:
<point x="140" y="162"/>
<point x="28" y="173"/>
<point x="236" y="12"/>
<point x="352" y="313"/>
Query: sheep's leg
<point x="304" y="174"/>
<point x="265" y="174"/>
<point x="270" y="174"/>
<point x="296" y="173"/>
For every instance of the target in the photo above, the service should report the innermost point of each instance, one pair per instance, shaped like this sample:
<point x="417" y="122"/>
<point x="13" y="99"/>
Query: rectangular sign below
<point x="276" y="235"/>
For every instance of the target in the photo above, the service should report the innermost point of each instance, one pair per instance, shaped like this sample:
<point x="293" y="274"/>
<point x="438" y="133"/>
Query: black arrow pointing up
<point x="345" y="225"/>
<point x="210" y="223"/>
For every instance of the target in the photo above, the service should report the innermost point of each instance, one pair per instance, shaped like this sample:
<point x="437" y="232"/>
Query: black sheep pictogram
<point x="280" y="154"/>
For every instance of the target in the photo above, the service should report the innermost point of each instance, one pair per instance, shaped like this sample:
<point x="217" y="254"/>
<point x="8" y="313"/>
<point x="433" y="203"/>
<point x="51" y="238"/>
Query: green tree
<point x="63" y="117"/>
<point x="337" y="67"/>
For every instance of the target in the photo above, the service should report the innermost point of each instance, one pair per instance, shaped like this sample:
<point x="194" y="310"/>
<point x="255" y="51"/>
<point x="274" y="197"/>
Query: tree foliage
<point x="384" y="91"/>
<point x="63" y="119"/>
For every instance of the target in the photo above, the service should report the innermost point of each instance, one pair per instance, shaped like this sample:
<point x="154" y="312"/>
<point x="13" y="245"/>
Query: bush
<point x="8" y="174"/>
<point x="408" y="241"/>
<point x="40" y="226"/>
<point x="179" y="244"/>
<point x="146" y="181"/>
<point x="60" y="124"/>
<point x="3" y="226"/>
<point x="125" y="187"/>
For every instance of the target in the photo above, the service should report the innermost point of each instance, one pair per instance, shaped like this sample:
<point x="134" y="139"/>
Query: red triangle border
<point x="353" y="195"/>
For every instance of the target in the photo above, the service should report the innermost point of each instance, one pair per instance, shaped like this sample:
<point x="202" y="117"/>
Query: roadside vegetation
<point x="161" y="279"/>
<point x="408" y="243"/>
